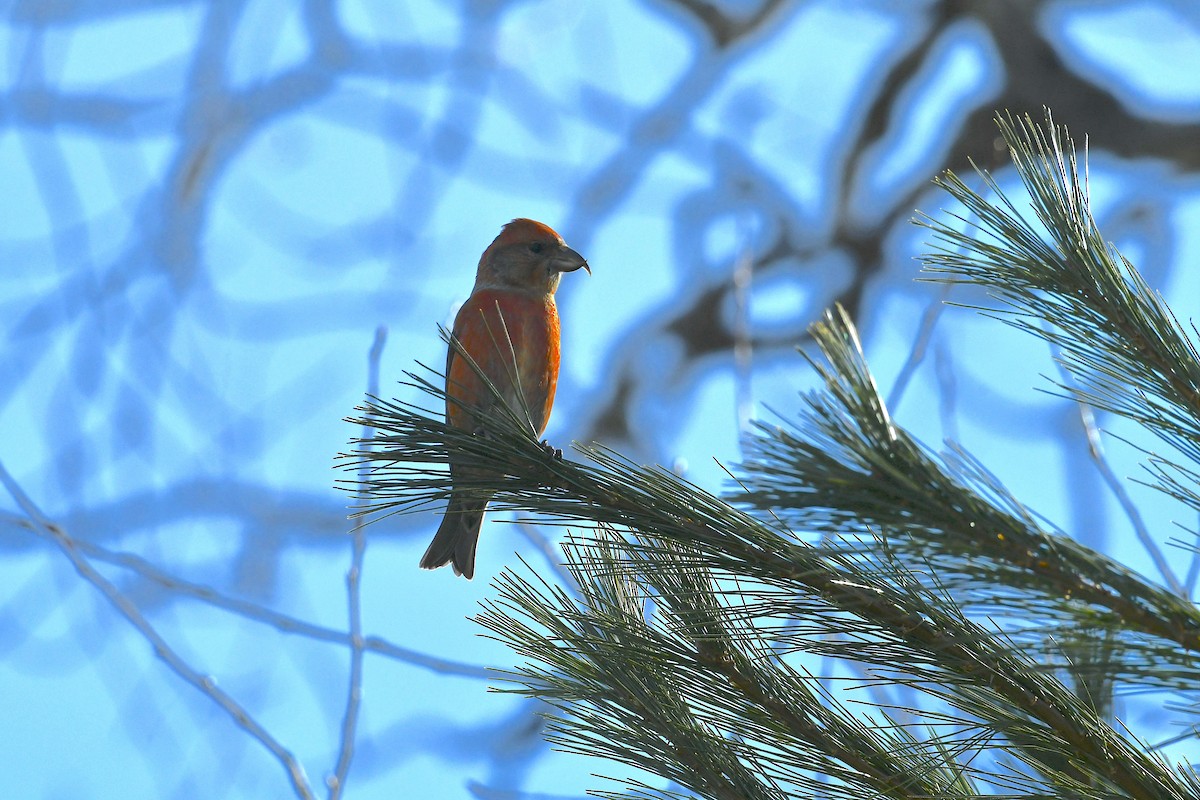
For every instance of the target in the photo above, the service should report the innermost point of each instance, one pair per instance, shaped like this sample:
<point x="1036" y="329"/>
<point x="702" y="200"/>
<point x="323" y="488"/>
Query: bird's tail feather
<point x="454" y="543"/>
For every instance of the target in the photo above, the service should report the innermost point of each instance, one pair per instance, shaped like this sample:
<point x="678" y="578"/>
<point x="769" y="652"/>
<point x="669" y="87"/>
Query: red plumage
<point x="510" y="328"/>
<point x="491" y="319"/>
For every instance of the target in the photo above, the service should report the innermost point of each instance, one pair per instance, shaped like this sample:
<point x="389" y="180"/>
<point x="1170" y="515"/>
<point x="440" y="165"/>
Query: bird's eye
<point x="536" y="247"/>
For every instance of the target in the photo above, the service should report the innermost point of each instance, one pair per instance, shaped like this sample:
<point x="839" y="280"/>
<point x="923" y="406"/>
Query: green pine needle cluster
<point x="1065" y="283"/>
<point x="688" y="641"/>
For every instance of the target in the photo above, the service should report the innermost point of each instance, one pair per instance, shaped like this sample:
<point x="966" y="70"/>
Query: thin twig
<point x="254" y="612"/>
<point x="943" y="371"/>
<point x="162" y="649"/>
<point x="920" y="347"/>
<point x="1193" y="571"/>
<point x="354" y="599"/>
<point x="1096" y="451"/>
<point x="743" y="338"/>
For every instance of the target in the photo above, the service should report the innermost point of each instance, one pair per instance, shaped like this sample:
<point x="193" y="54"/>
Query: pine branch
<point x="728" y="702"/>
<point x="1116" y="335"/>
<point x="846" y="465"/>
<point x="890" y="622"/>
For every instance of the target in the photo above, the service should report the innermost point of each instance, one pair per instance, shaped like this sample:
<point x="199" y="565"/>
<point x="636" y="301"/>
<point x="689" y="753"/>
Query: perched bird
<point x="513" y="301"/>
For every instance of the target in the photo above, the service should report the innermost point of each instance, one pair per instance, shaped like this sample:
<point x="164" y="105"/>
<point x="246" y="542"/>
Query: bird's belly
<point x="514" y="339"/>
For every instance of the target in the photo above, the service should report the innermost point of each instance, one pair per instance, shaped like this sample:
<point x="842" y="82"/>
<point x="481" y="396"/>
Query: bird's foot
<point x="551" y="450"/>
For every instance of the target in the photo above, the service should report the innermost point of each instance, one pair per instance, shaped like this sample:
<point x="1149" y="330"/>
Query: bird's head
<point x="529" y="257"/>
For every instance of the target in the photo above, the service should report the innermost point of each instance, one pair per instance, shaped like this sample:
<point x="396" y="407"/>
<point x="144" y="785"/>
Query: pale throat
<point x="546" y="288"/>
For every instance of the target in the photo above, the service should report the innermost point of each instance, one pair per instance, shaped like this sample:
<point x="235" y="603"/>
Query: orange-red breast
<point x="514" y="292"/>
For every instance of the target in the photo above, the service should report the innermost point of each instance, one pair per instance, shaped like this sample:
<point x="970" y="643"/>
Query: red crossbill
<point x="513" y="301"/>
